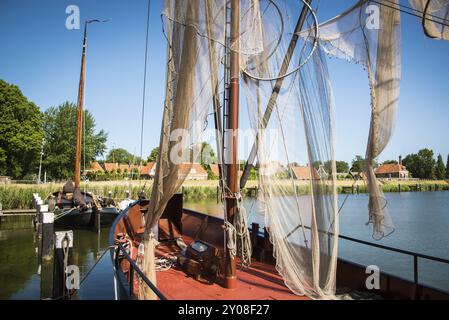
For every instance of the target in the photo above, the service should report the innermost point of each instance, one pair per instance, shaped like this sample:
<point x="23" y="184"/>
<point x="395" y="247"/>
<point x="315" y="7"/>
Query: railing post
<point x="415" y="269"/>
<point x="131" y="281"/>
<point x="254" y="234"/>
<point x="415" y="277"/>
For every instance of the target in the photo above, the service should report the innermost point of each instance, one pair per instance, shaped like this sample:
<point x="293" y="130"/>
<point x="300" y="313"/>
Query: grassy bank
<point x="18" y="196"/>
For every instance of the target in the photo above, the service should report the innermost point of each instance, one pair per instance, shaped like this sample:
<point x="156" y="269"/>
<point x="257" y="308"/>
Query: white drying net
<point x="303" y="229"/>
<point x="299" y="128"/>
<point x="435" y="17"/>
<point x="369" y="34"/>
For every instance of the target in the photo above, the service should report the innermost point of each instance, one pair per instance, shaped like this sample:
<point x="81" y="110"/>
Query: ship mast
<point x="80" y="105"/>
<point x="79" y="123"/>
<point x="232" y="126"/>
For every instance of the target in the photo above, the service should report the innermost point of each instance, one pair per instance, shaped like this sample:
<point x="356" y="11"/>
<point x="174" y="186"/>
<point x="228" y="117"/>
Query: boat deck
<point x="258" y="282"/>
<point x="255" y="283"/>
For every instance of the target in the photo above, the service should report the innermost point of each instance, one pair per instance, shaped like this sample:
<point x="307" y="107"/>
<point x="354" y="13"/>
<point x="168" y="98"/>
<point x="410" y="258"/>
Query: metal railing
<point x="134" y="268"/>
<point x="415" y="255"/>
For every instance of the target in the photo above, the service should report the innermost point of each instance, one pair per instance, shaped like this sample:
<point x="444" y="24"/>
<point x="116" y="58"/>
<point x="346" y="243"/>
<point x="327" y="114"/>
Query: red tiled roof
<point x="146" y="170"/>
<point x="215" y="170"/>
<point x="304" y="173"/>
<point x="110" y="166"/>
<point x="185" y="169"/>
<point x="390" y="168"/>
<point x="95" y="167"/>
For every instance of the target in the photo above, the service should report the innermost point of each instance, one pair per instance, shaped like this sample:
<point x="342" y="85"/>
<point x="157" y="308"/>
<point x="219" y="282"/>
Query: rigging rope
<point x="411" y="13"/>
<point x="419" y="11"/>
<point x="144" y="87"/>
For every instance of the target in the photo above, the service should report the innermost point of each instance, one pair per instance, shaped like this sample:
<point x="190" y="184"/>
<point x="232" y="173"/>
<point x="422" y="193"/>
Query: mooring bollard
<point x="62" y="262"/>
<point x="97" y="219"/>
<point x="47" y="255"/>
<point x="36" y="203"/>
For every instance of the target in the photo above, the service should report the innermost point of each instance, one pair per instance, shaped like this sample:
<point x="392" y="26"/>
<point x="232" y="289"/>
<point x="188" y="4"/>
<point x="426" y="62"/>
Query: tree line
<point x="24" y="128"/>
<point x="25" y="131"/>
<point x="421" y="165"/>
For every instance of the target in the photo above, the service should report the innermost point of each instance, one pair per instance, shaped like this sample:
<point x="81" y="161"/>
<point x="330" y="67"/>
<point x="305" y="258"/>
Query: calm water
<point x="422" y="225"/>
<point x="421" y="219"/>
<point x="19" y="278"/>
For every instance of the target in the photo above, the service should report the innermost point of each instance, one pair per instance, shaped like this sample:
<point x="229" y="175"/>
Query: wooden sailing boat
<point x="195" y="254"/>
<point x="75" y="208"/>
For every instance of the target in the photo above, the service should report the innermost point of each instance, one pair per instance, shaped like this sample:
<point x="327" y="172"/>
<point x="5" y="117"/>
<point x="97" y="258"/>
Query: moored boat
<point x="75" y="208"/>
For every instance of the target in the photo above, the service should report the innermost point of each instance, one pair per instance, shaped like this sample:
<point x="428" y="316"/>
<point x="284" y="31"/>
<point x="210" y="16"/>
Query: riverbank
<point x="18" y="196"/>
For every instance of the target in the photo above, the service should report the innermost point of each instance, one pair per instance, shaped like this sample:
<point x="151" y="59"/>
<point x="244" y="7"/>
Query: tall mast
<point x="79" y="124"/>
<point x="232" y="126"/>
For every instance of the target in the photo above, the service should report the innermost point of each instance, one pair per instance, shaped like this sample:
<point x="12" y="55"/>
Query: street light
<point x="40" y="162"/>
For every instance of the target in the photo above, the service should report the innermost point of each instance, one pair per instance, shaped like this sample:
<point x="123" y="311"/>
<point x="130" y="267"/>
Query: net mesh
<point x="369" y="34"/>
<point x="435" y="17"/>
<point x="303" y="230"/>
<point x="291" y="115"/>
<point x="300" y="129"/>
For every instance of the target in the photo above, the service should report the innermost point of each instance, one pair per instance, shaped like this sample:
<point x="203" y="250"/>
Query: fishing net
<point x="369" y="34"/>
<point x="292" y="113"/>
<point x="283" y="77"/>
<point x="435" y="17"/>
<point x="187" y="99"/>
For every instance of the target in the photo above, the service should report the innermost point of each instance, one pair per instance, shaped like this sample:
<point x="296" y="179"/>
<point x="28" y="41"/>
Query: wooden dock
<point x="18" y="212"/>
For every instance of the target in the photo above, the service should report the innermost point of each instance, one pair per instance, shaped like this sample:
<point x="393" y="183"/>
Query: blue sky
<point x="42" y="57"/>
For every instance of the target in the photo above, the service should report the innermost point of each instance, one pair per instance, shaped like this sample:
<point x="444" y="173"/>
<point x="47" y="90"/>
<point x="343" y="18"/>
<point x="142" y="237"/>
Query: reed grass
<point x="17" y="196"/>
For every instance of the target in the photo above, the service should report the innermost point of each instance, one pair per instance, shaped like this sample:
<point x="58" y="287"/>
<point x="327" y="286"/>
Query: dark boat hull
<point x="108" y="216"/>
<point x="68" y="217"/>
<point x="74" y="219"/>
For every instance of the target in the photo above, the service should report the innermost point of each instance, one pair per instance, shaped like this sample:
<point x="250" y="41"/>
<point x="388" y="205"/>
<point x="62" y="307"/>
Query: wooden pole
<point x="79" y="124"/>
<point x="97" y="218"/>
<point x="233" y="125"/>
<point x="47" y="255"/>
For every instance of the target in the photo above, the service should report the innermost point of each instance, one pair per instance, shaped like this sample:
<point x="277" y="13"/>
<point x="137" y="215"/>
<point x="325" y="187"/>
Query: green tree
<point x="447" y="167"/>
<point x="440" y="170"/>
<point x="390" y="162"/>
<point x="60" y="149"/>
<point x="207" y="155"/>
<point x="21" y="133"/>
<point x="342" y="166"/>
<point x="358" y="164"/>
<point x="421" y="165"/>
<point x="153" y="155"/>
<point x="122" y="156"/>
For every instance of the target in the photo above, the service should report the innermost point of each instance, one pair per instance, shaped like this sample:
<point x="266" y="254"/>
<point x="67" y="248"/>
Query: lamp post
<point x="40" y="162"/>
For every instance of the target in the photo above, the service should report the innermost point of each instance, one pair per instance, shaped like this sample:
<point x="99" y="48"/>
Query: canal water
<point x="421" y="225"/>
<point x="421" y="219"/>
